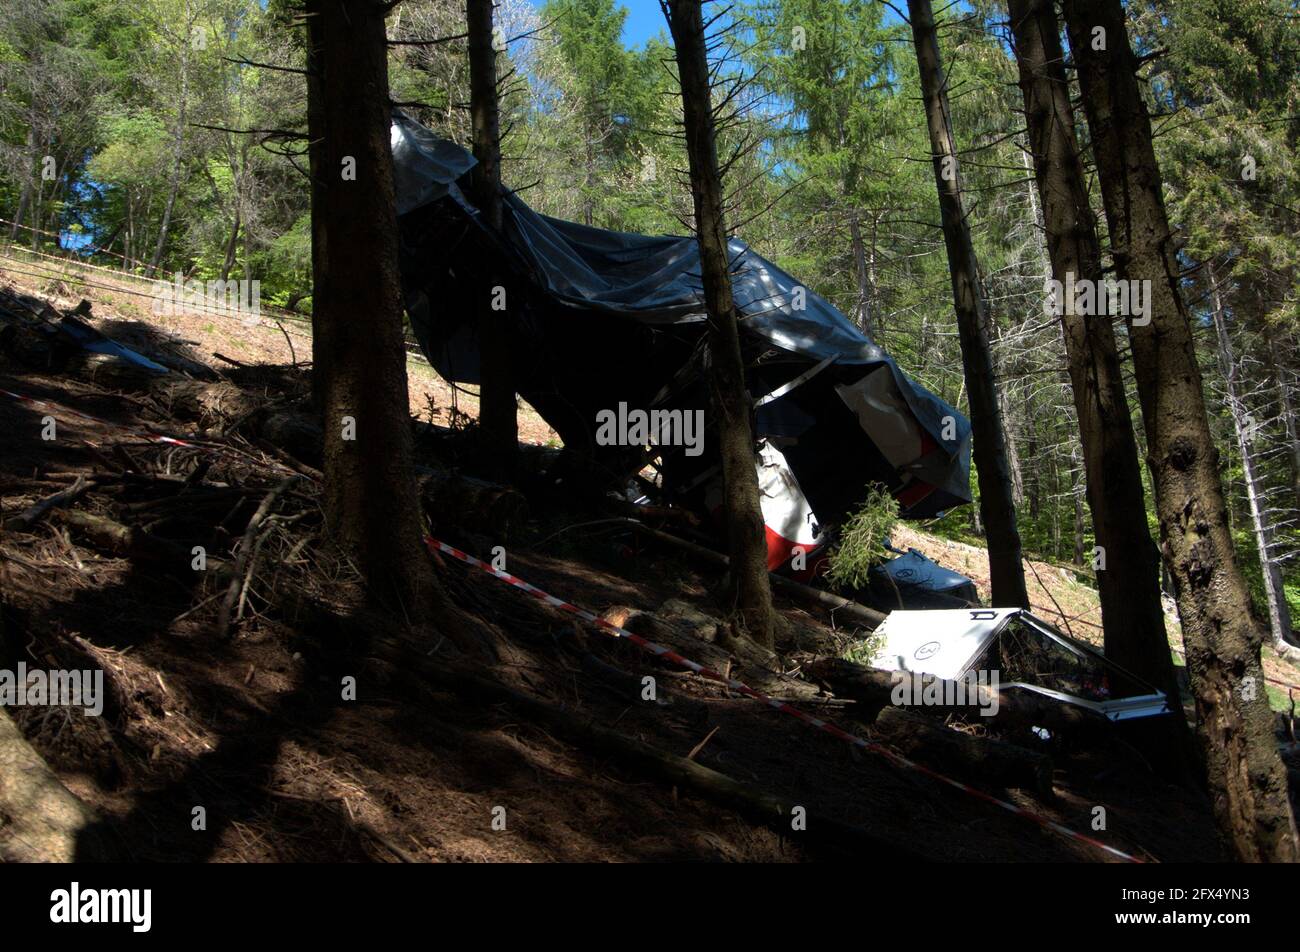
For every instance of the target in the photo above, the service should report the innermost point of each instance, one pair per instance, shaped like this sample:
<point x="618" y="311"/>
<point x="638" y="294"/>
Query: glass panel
<point x="1028" y="655"/>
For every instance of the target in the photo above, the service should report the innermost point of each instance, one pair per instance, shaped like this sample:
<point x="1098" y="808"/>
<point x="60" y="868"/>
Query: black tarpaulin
<point x="602" y="317"/>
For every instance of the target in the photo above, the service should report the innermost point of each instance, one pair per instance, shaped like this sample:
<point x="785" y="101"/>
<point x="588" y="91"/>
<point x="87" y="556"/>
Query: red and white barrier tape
<point x="740" y="687"/>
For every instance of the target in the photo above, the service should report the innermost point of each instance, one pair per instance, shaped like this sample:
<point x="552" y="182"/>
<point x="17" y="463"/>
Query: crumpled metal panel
<point x="947" y="643"/>
<point x="943" y="642"/>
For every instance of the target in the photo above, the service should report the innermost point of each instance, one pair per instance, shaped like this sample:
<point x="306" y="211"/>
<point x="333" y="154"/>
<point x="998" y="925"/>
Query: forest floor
<point x="249" y="722"/>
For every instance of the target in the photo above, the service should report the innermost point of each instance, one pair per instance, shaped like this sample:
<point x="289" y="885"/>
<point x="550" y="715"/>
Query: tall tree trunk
<point x="371" y="506"/>
<point x="1006" y="573"/>
<point x="128" y="244"/>
<point x="1033" y="489"/>
<point x="316" y="157"/>
<point x="878" y="319"/>
<point x="860" y="271"/>
<point x="1279" y="613"/>
<point x="25" y="196"/>
<point x="23" y="200"/>
<point x="38" y="196"/>
<point x="1247" y="780"/>
<point x="1056" y="510"/>
<point x="731" y="403"/>
<point x="498" y="421"/>
<point x="1128" y="581"/>
<point x="231" y="244"/>
<point x="178" y="155"/>
<point x="1001" y="372"/>
<point x="54" y="221"/>
<point x="1288" y="412"/>
<point x="1078" y="526"/>
<point x="588" y="174"/>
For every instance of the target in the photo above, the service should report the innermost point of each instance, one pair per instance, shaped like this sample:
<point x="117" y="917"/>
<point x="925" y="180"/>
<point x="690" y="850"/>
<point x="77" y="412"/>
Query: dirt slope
<point x="255" y="728"/>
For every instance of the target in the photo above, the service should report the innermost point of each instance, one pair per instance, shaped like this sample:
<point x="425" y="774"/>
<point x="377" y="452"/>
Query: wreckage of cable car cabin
<point x="608" y="335"/>
<point x="607" y="326"/>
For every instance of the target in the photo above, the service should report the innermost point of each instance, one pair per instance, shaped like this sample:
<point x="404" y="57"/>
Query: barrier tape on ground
<point x="740" y="687"/>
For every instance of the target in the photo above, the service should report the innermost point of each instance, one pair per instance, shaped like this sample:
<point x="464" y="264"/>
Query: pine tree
<point x="498" y="421"/>
<point x="988" y="444"/>
<point x="372" y="510"/>
<point x="729" y="399"/>
<point x="1127" y="563"/>
<point x="1247" y="780"/>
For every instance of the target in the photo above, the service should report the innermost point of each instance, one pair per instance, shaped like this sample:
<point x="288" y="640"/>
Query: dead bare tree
<point x="1245" y="428"/>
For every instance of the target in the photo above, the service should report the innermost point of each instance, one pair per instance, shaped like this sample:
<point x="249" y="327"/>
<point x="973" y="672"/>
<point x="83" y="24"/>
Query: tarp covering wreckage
<point x="919" y="582"/>
<point x="602" y="319"/>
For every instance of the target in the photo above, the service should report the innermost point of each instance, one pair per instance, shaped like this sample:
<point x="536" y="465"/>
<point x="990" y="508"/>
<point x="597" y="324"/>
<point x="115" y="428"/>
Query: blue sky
<point x="644" y="20"/>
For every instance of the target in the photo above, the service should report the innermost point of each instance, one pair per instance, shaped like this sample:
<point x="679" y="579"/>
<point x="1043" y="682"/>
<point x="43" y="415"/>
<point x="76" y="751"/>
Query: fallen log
<point x="116" y="539"/>
<point x="205" y="404"/>
<point x="472" y="504"/>
<point x="112" y="372"/>
<point x="40" y="820"/>
<point x="61" y="498"/>
<point x="696" y="636"/>
<point x="187" y="500"/>
<point x="623" y="683"/>
<point x="296" y="434"/>
<point x="874" y="690"/>
<point x="982" y="759"/>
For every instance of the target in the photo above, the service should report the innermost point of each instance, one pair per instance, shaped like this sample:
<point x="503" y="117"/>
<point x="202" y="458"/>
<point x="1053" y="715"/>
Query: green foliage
<point x="1231" y="70"/>
<point x="862" y="539"/>
<point x="603" y="107"/>
<point x="864" y="650"/>
<point x="289" y="259"/>
<point x="133" y="154"/>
